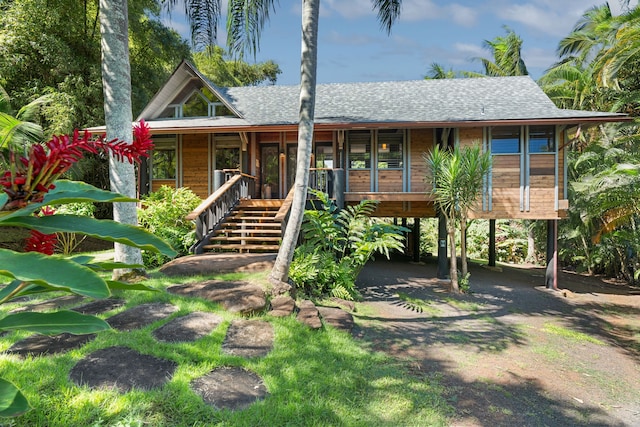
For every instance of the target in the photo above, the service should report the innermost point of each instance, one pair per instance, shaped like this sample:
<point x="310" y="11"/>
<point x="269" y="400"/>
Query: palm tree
<point x="437" y="72"/>
<point x="457" y="178"/>
<point x="116" y="80"/>
<point x="246" y="20"/>
<point x="20" y="127"/>
<point x="507" y="56"/>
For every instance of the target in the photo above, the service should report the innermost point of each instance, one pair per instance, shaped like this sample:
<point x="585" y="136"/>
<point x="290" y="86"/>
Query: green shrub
<point x="163" y="214"/>
<point x="337" y="245"/>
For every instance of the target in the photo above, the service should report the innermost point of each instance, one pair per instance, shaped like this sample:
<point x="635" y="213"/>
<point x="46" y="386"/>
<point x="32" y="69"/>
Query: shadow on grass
<point x="491" y="320"/>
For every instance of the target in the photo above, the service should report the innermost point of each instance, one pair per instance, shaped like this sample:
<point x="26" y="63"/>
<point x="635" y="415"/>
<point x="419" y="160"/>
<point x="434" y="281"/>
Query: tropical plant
<point x="506" y="56"/>
<point x="337" y="244"/>
<point x="163" y="214"/>
<point x="457" y="179"/>
<point x="214" y="63"/>
<point x="31" y="185"/>
<point x="20" y="128"/>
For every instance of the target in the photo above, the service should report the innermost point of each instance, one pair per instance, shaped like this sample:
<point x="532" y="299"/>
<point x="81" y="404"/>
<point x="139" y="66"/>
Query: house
<point x="369" y="141"/>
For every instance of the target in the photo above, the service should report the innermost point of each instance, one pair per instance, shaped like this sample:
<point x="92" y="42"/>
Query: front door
<point x="270" y="171"/>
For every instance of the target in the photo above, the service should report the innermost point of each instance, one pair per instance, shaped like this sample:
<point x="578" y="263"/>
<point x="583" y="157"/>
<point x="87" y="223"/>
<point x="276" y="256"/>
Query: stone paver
<point x="282" y="306"/>
<point x="141" y="316"/>
<point x="123" y="369"/>
<point x="193" y="265"/>
<point x="230" y="388"/>
<point x="191" y="327"/>
<point x="337" y="318"/>
<point x="100" y="306"/>
<point x="52" y="304"/>
<point x="308" y="314"/>
<point x="236" y="297"/>
<point x="248" y="338"/>
<point x="40" y="345"/>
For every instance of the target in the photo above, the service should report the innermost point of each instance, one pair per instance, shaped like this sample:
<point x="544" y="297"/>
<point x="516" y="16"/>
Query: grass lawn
<point x="314" y="378"/>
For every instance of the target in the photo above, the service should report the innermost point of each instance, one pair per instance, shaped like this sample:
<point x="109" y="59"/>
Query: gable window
<point x="196" y="102"/>
<point x="505" y="140"/>
<point x="542" y="139"/>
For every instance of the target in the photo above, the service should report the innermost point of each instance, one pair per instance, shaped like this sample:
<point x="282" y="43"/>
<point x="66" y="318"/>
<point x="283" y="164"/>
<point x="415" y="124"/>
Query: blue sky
<point x="353" y="47"/>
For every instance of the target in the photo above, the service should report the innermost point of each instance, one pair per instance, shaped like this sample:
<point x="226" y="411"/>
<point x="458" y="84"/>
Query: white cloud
<point x="462" y="15"/>
<point x="348" y="9"/>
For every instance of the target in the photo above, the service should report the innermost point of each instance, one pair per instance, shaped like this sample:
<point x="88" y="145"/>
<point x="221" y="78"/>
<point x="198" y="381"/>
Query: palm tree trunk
<point x="309" y="62"/>
<point x="116" y="80"/>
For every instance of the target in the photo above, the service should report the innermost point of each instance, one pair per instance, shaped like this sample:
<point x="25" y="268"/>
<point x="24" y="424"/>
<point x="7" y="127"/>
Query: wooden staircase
<point x="250" y="227"/>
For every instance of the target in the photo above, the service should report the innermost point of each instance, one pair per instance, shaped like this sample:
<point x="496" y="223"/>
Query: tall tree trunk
<point x="309" y="62"/>
<point x="116" y="81"/>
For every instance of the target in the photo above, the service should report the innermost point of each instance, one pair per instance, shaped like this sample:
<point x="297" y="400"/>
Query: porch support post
<point x="339" y="187"/>
<point x="551" y="275"/>
<point x="218" y="179"/>
<point x="492" y="243"/>
<point x="443" y="259"/>
<point x="416" y="239"/>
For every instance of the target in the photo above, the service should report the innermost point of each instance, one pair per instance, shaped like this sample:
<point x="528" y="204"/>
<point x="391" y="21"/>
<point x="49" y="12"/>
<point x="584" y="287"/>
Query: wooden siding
<point x="157" y="183"/>
<point x="359" y="180"/>
<point x="421" y="142"/>
<point x="470" y="136"/>
<point x="390" y="180"/>
<point x="195" y="164"/>
<point x="413" y="209"/>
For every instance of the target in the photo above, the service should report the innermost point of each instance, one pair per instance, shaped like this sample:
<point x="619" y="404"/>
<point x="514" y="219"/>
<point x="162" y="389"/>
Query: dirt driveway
<point x="512" y="353"/>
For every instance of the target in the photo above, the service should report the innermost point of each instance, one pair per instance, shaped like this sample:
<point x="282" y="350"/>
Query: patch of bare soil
<point x="512" y="352"/>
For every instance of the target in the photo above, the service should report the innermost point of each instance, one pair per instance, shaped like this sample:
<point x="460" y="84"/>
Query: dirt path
<point x="512" y="353"/>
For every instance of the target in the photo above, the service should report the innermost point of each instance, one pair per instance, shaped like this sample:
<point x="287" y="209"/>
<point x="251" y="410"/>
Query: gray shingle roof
<point x="420" y="101"/>
<point x="452" y="100"/>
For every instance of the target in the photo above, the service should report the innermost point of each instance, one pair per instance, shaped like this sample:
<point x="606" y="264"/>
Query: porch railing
<point x="210" y="213"/>
<point x="330" y="181"/>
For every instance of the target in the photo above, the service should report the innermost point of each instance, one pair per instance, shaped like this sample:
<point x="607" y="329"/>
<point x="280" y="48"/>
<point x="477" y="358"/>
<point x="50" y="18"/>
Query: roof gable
<point x="180" y="87"/>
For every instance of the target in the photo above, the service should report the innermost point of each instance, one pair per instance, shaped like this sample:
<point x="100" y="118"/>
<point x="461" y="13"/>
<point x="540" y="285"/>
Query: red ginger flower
<point x="31" y="177"/>
<point x="40" y="242"/>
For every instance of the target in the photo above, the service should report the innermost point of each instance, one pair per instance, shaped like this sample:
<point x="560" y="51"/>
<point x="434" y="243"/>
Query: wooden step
<point x="242" y="248"/>
<point x="251" y="218"/>
<point x="249" y="225"/>
<point x="248" y="231"/>
<point x="244" y="239"/>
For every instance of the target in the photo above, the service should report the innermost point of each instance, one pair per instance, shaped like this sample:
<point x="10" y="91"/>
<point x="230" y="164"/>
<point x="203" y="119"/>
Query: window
<point x="542" y="139"/>
<point x="505" y="140"/>
<point x="163" y="158"/>
<point x="390" y="143"/>
<point x="359" y="150"/>
<point x="324" y="155"/>
<point x="196" y="106"/>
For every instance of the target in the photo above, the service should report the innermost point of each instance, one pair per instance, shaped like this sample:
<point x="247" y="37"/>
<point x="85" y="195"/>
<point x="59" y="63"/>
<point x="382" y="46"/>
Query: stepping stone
<point x="100" y="306"/>
<point x="230" y="388"/>
<point x="248" y="338"/>
<point x="236" y="297"/>
<point x="41" y="345"/>
<point x="122" y="369"/>
<point x="191" y="327"/>
<point x="141" y="316"/>
<point x="343" y="303"/>
<point x="52" y="304"/>
<point x="202" y="264"/>
<point x="308" y="314"/>
<point x="282" y="306"/>
<point x="337" y="318"/>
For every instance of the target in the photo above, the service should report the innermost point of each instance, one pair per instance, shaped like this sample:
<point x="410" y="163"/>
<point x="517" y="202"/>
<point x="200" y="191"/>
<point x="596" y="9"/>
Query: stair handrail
<point x="210" y="213"/>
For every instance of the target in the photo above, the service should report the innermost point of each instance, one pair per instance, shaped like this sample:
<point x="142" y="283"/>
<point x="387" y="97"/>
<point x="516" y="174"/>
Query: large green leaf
<point x="12" y="401"/>
<point x="104" y="229"/>
<point x="69" y="192"/>
<point x="122" y="286"/>
<point x="54" y="323"/>
<point x="53" y="272"/>
<point x="4" y="198"/>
